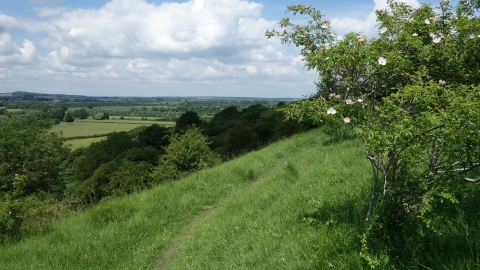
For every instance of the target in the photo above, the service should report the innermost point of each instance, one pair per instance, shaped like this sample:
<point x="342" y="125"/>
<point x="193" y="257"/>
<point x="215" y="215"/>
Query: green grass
<point x="93" y="127"/>
<point x="245" y="214"/>
<point x="296" y="204"/>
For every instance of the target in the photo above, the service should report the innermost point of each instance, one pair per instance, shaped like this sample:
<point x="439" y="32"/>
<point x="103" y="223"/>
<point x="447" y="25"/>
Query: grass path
<point x="179" y="239"/>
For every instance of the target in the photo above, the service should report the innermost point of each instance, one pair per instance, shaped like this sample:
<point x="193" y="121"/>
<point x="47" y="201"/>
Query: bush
<point x="412" y="98"/>
<point x="186" y="153"/>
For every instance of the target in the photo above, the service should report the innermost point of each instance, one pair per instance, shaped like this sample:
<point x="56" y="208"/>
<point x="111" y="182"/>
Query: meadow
<point x="91" y="127"/>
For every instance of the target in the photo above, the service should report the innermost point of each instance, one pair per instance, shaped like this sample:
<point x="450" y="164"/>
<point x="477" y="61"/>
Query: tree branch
<point x="374" y="185"/>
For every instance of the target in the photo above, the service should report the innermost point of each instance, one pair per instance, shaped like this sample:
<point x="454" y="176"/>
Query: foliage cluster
<point x="233" y="132"/>
<point x="411" y="98"/>
<point x="29" y="170"/>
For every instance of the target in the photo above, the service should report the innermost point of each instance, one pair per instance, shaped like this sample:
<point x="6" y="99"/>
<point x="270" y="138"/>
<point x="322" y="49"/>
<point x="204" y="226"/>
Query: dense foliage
<point x="411" y="98"/>
<point x="233" y="132"/>
<point x="30" y="157"/>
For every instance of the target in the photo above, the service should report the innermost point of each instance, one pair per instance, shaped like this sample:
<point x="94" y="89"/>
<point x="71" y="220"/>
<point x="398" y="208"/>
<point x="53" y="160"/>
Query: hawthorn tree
<point x="411" y="97"/>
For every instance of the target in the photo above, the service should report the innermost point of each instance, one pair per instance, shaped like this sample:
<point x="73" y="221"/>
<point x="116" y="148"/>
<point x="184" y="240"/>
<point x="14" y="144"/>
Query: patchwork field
<point x="92" y="127"/>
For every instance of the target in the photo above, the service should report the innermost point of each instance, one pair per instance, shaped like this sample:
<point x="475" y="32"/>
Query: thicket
<point x="411" y="100"/>
<point x="29" y="172"/>
<point x="234" y="131"/>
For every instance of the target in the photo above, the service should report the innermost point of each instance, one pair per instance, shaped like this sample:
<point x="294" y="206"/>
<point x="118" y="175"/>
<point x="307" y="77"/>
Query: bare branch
<point x="474" y="181"/>
<point x="374" y="185"/>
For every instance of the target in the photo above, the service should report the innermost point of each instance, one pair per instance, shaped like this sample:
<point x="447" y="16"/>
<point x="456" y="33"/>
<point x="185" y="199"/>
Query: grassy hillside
<point x="297" y="204"/>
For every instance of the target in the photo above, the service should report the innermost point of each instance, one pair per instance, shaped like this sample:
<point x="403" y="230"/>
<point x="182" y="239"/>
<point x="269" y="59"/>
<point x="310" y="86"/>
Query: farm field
<point x="91" y="127"/>
<point x="126" y="108"/>
<point x="77" y="143"/>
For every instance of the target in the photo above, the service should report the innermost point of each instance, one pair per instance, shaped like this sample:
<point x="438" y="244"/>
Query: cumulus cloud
<point x="10" y="53"/>
<point x="195" y="40"/>
<point x="131" y="28"/>
<point x="192" y="43"/>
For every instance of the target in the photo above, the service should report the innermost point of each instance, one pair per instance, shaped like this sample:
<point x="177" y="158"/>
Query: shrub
<point x="186" y="153"/>
<point x="412" y="97"/>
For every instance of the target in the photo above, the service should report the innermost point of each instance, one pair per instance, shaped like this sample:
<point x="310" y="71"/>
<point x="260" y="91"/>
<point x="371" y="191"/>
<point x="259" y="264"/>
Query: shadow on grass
<point x="348" y="211"/>
<point x="450" y="243"/>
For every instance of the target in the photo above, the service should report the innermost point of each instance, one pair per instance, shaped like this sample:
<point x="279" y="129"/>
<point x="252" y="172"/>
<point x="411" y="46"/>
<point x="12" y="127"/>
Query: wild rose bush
<point x="412" y="99"/>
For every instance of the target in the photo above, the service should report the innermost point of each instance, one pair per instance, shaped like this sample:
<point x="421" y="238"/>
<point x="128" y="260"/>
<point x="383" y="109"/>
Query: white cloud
<point x="199" y="42"/>
<point x="10" y="53"/>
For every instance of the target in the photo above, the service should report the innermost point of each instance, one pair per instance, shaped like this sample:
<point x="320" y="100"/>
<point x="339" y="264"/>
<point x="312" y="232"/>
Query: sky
<point x="162" y="48"/>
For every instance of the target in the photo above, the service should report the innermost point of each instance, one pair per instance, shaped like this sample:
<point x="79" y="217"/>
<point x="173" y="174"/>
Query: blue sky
<point x="161" y="48"/>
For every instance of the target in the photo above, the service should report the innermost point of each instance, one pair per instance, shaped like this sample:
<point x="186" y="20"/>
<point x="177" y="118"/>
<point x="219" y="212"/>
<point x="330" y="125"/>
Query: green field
<point x="126" y="108"/>
<point x="77" y="143"/>
<point x="92" y="127"/>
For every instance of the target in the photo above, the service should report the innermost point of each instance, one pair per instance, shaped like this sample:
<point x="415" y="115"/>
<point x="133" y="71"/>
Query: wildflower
<point x="307" y="6"/>
<point x="382" y="61"/>
<point x="331" y="110"/>
<point x="360" y="39"/>
<point x="346" y="120"/>
<point x="414" y="34"/>
<point x="383" y="12"/>
<point x="299" y="26"/>
<point x="432" y="35"/>
<point x="332" y="94"/>
<point x="337" y="96"/>
<point x="472" y="36"/>
<point x="442" y="82"/>
<point x="435" y="18"/>
<point x="436" y="40"/>
<point x="327" y="58"/>
<point x="383" y="30"/>
<point x="349" y="102"/>
<point x="360" y="100"/>
<point x="324" y="26"/>
<point x="427" y="21"/>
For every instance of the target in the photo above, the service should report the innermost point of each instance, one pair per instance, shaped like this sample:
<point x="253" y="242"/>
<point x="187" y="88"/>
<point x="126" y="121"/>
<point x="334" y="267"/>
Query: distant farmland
<point x="91" y="127"/>
<point x="77" y="143"/>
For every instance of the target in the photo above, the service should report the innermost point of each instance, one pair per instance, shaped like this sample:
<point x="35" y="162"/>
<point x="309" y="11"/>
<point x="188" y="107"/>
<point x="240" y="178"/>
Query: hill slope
<point x="297" y="204"/>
